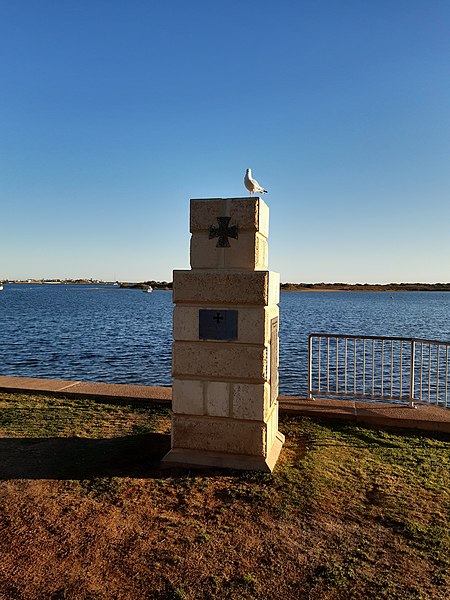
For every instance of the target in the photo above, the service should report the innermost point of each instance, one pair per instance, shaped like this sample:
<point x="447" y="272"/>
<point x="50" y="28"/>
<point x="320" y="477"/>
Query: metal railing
<point x="379" y="368"/>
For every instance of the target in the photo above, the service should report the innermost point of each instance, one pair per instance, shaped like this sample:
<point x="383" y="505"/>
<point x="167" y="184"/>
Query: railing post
<point x="411" y="374"/>
<point x="310" y="347"/>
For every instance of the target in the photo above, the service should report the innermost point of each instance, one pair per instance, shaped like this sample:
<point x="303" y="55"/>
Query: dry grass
<point x="85" y="512"/>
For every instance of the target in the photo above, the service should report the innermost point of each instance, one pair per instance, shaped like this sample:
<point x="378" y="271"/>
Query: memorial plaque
<point x="273" y="360"/>
<point x="218" y="324"/>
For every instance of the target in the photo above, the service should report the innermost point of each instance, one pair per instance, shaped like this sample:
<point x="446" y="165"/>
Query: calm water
<point x="103" y="333"/>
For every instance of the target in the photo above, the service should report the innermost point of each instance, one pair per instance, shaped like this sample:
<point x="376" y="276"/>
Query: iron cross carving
<point x="223" y="232"/>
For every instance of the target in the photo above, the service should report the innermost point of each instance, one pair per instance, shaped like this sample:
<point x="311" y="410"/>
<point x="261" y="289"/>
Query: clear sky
<point x="113" y="113"/>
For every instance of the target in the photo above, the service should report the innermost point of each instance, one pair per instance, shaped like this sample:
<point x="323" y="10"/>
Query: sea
<point x="117" y="335"/>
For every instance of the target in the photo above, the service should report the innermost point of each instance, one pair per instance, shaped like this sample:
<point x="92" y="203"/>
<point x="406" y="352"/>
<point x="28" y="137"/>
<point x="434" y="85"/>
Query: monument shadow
<point x="82" y="458"/>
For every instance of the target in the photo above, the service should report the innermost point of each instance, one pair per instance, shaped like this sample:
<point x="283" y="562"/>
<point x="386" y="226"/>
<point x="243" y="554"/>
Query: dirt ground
<point x="86" y="512"/>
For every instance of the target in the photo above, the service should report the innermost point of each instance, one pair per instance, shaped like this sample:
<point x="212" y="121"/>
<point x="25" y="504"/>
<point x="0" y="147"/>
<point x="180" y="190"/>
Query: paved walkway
<point x="426" y="417"/>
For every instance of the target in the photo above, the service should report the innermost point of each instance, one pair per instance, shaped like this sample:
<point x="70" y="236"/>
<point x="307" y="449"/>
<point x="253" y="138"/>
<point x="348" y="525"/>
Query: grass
<point x="85" y="511"/>
<point x="42" y="416"/>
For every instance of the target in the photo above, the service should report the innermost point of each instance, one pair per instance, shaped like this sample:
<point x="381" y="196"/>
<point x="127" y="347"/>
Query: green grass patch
<point x="39" y="416"/>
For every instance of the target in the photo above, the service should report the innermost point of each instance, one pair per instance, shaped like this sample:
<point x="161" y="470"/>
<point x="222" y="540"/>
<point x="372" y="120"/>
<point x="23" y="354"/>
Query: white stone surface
<point x="186" y="323"/>
<point x="219" y="435"/>
<point x="250" y="214"/>
<point x="226" y="287"/>
<point x="187" y="396"/>
<point x="249" y="252"/>
<point x="227" y="360"/>
<point x="249" y="401"/>
<point x="274" y="288"/>
<point x="217" y="399"/>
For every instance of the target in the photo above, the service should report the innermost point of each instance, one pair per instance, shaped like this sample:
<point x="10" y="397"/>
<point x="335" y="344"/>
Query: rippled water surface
<point x="104" y="333"/>
<point x="87" y="333"/>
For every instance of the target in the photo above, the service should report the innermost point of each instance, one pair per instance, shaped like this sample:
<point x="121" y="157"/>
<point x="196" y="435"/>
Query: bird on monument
<point x="252" y="185"/>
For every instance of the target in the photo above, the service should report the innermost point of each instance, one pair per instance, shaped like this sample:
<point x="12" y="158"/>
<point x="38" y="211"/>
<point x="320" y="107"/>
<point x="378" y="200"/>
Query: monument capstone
<point x="225" y="350"/>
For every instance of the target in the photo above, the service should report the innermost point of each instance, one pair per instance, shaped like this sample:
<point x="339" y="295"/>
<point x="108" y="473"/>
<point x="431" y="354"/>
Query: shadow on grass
<point x="82" y="458"/>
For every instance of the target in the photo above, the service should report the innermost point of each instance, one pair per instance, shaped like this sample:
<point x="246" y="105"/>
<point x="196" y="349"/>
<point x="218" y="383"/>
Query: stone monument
<point x="225" y="351"/>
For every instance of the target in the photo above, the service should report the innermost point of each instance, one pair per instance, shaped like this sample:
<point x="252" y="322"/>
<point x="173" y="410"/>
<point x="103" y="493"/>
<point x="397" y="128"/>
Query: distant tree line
<point x="143" y="285"/>
<point x="367" y="287"/>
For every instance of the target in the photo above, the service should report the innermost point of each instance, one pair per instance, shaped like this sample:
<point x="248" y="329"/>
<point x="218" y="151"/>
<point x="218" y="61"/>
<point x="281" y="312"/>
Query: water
<point x="86" y="332"/>
<point x="104" y="333"/>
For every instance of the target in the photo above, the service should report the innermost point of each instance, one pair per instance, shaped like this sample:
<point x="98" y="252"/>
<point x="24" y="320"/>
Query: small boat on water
<point x="1" y="286"/>
<point x="149" y="289"/>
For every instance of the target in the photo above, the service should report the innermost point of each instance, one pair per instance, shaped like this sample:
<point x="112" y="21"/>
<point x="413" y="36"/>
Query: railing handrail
<point x="377" y="337"/>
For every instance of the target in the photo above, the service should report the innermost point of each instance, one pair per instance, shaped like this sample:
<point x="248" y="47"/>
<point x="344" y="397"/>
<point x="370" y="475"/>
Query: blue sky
<point x="114" y="113"/>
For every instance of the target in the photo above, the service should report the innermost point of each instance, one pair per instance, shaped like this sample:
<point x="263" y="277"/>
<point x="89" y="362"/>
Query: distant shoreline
<point x="285" y="287"/>
<point x="365" y="287"/>
<point x="156" y="285"/>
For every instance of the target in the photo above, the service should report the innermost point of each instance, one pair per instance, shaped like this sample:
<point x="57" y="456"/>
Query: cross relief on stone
<point x="223" y="232"/>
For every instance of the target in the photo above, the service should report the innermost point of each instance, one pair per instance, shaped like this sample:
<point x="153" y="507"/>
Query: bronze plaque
<point x="218" y="324"/>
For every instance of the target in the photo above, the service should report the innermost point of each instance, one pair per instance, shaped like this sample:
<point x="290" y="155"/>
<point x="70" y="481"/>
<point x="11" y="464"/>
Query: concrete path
<point x="79" y="389"/>
<point x="425" y="417"/>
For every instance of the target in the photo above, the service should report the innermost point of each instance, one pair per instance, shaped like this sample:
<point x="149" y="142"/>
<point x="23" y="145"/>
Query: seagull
<point x="252" y="185"/>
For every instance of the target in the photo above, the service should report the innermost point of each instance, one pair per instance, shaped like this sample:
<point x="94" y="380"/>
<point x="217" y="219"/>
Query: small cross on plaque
<point x="217" y="324"/>
<point x="223" y="232"/>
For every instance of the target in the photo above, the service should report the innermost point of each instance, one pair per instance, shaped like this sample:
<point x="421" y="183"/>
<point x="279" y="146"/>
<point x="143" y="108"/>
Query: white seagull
<point x="252" y="185"/>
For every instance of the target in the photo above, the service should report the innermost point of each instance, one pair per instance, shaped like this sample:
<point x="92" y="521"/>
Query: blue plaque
<point x="217" y="324"/>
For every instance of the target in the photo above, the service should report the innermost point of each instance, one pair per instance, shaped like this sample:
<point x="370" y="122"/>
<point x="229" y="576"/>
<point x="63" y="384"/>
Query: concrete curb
<point x="424" y="418"/>
<point x="78" y="389"/>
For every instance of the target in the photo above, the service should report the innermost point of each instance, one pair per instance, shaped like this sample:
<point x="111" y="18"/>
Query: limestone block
<point x="261" y="253"/>
<point x="187" y="396"/>
<point x="253" y="323"/>
<point x="217" y="398"/>
<point x="199" y="459"/>
<point x="250" y="401"/>
<point x="272" y="425"/>
<point x="226" y="288"/>
<point x="204" y="254"/>
<point x="251" y="213"/>
<point x="204" y="213"/>
<point x="219" y="360"/>
<point x="247" y="213"/>
<point x="248" y="252"/>
<point x="185" y="323"/>
<point x="219" y="435"/>
<point x="271" y="312"/>
<point x="274" y="288"/>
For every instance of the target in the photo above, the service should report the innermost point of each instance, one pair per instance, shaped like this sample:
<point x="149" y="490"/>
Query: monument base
<point x="198" y="459"/>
